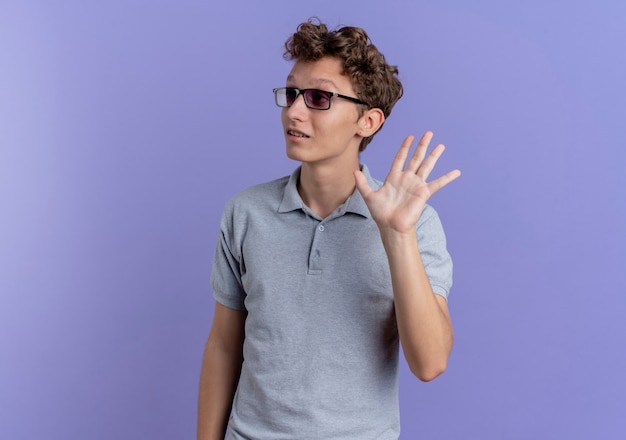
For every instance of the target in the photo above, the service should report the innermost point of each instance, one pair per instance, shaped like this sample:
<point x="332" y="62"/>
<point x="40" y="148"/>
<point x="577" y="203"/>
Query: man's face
<point x="322" y="136"/>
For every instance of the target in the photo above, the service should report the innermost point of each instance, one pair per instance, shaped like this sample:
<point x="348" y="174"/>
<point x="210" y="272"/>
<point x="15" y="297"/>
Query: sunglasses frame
<point x="306" y="102"/>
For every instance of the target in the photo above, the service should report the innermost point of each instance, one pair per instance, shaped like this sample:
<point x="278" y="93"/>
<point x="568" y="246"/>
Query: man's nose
<point x="298" y="107"/>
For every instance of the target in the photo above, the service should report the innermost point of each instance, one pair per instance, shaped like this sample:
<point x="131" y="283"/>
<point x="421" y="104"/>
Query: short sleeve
<point x="435" y="256"/>
<point x="227" y="265"/>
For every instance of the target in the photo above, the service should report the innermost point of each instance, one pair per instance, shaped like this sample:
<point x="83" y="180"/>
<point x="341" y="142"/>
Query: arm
<point x="423" y="320"/>
<point x="422" y="316"/>
<point x="221" y="367"/>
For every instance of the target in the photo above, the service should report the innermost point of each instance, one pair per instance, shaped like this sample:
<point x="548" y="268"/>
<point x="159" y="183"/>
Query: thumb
<point x="361" y="183"/>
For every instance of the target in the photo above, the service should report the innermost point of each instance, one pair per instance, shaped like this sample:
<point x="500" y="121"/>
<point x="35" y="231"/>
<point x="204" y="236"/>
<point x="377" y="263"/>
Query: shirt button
<point x="321" y="228"/>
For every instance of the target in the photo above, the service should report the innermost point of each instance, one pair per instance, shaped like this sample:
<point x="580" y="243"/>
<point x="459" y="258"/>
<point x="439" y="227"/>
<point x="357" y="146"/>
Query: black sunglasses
<point x="313" y="98"/>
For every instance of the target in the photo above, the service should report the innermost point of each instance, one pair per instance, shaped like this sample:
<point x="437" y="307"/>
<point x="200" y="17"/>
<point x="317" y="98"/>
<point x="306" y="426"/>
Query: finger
<point x="442" y="181"/>
<point x="362" y="185"/>
<point x="427" y="165"/>
<point x="400" y="160"/>
<point x="420" y="152"/>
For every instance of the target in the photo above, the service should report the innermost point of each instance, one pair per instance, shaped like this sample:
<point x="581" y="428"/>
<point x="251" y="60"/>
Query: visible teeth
<point x="295" y="133"/>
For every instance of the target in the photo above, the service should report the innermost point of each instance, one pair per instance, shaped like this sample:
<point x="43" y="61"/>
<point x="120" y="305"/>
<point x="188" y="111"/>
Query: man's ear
<point x="370" y="122"/>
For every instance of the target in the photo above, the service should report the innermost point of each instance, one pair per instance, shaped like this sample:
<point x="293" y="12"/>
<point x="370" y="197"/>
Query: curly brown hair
<point x="374" y="81"/>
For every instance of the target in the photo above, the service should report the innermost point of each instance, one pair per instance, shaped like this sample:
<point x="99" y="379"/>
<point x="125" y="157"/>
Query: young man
<point x="318" y="277"/>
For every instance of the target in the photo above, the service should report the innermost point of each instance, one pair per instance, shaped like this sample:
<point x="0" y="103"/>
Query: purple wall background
<point x="125" y="126"/>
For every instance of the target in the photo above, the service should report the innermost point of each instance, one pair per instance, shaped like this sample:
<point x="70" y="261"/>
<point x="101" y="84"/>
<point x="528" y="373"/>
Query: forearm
<point x="423" y="322"/>
<point x="218" y="382"/>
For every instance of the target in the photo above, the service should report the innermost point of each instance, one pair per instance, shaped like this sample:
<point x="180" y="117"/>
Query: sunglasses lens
<point x="313" y="98"/>
<point x="317" y="99"/>
<point x="290" y="96"/>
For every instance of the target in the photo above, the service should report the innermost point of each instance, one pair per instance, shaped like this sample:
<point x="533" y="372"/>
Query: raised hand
<point x="398" y="204"/>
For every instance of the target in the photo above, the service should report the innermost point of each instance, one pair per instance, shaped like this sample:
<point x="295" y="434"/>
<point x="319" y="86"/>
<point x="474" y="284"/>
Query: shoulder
<point x="429" y="215"/>
<point x="429" y="227"/>
<point x="257" y="204"/>
<point x="258" y="196"/>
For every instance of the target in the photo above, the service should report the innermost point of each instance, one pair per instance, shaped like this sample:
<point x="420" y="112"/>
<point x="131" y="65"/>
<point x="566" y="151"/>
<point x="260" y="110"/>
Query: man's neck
<point x="324" y="188"/>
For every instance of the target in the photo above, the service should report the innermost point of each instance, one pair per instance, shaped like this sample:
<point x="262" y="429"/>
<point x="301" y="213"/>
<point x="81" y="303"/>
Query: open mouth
<point x="296" y="134"/>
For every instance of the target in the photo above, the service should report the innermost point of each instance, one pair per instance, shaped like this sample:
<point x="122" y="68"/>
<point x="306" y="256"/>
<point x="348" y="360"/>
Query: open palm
<point x="398" y="204"/>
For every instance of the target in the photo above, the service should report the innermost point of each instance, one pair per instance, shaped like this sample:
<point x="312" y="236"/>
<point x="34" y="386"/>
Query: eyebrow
<point x="320" y="81"/>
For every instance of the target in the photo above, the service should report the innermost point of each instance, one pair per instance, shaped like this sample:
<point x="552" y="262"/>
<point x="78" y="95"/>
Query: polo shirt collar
<point x="355" y="204"/>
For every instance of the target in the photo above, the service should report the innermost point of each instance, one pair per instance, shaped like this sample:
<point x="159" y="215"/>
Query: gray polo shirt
<point x="321" y="344"/>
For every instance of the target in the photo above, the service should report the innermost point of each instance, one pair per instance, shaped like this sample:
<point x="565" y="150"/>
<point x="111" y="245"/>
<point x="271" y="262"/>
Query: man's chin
<point x="294" y="152"/>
